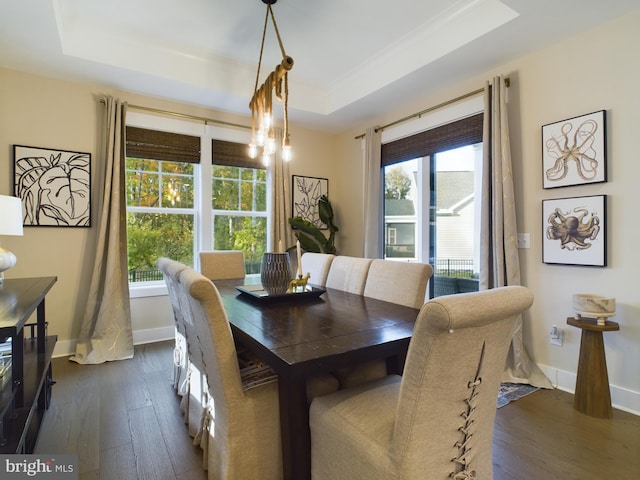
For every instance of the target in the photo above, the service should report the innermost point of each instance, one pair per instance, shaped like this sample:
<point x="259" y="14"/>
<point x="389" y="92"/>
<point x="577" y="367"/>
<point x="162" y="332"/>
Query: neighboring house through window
<point x="432" y="179"/>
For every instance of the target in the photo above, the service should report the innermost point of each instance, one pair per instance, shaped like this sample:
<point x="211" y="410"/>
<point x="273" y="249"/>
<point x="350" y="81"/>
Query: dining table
<point x="301" y="335"/>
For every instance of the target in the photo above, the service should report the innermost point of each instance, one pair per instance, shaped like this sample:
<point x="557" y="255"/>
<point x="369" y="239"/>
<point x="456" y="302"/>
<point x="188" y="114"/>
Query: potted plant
<point x="311" y="238"/>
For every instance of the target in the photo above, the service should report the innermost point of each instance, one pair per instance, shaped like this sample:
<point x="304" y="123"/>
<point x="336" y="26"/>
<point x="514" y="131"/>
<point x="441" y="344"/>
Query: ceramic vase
<point x="275" y="272"/>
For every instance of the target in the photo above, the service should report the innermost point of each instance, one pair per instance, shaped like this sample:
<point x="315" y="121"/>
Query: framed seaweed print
<point x="573" y="231"/>
<point x="306" y="191"/>
<point x="574" y="151"/>
<point x="54" y="185"/>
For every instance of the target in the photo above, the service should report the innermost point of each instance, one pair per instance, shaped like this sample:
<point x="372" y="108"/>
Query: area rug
<point x="510" y="392"/>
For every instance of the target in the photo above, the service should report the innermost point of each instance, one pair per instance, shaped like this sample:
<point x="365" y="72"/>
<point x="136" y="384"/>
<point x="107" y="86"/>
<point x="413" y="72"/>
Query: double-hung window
<point x="190" y="188"/>
<point x="161" y="205"/>
<point x="238" y="203"/>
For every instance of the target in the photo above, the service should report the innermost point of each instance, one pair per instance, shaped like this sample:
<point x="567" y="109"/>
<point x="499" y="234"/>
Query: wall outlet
<point x="556" y="335"/>
<point x="524" y="240"/>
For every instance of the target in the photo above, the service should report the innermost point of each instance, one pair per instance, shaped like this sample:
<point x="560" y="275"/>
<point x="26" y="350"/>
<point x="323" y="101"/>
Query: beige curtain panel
<point x="105" y="333"/>
<point x="500" y="261"/>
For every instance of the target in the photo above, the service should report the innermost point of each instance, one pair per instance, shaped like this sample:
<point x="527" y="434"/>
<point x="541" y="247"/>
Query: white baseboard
<point x="65" y="348"/>
<point x="153" y="335"/>
<point x="621" y="398"/>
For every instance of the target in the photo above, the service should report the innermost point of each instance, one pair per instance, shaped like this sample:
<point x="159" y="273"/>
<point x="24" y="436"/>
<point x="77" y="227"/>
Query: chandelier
<point x="262" y="134"/>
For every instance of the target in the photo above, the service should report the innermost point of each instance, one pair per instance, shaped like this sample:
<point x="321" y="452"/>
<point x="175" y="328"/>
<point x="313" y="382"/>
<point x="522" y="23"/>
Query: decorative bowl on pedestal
<point x="594" y="306"/>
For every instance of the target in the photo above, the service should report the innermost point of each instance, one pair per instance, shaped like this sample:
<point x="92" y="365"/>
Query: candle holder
<point x="275" y="272"/>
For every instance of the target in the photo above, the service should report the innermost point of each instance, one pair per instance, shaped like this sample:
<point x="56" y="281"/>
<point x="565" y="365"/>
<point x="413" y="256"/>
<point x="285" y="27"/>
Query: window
<point x="431" y="183"/>
<point x="173" y="211"/>
<point x="239" y="204"/>
<point x="160" y="190"/>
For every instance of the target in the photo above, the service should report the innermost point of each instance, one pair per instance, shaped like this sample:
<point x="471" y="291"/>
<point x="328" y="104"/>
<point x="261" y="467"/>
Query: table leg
<point x="592" y="396"/>
<point x="294" y="426"/>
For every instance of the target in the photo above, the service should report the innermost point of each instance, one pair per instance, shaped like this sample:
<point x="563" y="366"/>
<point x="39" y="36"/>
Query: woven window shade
<point x="445" y="137"/>
<point x="233" y="154"/>
<point x="157" y="145"/>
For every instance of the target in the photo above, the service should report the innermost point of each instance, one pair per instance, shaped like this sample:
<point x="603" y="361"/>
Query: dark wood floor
<point x="123" y="421"/>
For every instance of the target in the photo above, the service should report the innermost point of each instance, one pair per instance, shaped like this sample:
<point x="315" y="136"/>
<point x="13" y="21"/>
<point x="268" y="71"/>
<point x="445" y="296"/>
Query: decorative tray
<point x="257" y="292"/>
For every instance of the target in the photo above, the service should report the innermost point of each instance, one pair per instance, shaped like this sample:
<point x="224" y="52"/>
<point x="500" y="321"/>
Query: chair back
<point x="216" y="349"/>
<point x="403" y="283"/>
<point x="222" y="264"/>
<point x="241" y="434"/>
<point x="348" y="274"/>
<point x="447" y="401"/>
<point x="170" y="272"/>
<point x="317" y="265"/>
<point x="188" y="377"/>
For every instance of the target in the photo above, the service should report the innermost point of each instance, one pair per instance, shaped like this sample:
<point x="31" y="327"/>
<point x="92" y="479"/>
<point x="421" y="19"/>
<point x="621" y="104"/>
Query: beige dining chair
<point x="241" y="421"/>
<point x="317" y="266"/>
<point x="191" y="387"/>
<point x="348" y="274"/>
<point x="170" y="272"/>
<point x="222" y="264"/>
<point x="403" y="283"/>
<point x="436" y="421"/>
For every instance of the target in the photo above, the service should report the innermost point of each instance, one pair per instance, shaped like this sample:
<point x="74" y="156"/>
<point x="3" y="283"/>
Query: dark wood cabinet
<point x="25" y="397"/>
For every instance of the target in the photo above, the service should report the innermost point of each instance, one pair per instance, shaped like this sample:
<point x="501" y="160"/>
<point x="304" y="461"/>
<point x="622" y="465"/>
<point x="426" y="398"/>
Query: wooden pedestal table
<point x="592" y="396"/>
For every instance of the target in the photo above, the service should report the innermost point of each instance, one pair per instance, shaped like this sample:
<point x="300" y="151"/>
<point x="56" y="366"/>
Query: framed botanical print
<point x="574" y="151"/>
<point x="54" y="185"/>
<point x="573" y="231"/>
<point x="306" y="191"/>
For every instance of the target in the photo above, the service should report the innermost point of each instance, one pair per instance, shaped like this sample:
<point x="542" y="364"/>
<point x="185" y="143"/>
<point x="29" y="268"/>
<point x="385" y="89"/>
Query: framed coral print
<point x="306" y="191"/>
<point x="573" y="231"/>
<point x="574" y="151"/>
<point x="54" y="185"/>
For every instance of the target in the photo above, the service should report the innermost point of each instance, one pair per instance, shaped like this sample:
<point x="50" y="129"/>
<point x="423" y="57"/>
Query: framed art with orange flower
<point x="574" y="151"/>
<point x="573" y="231"/>
<point x="54" y="185"/>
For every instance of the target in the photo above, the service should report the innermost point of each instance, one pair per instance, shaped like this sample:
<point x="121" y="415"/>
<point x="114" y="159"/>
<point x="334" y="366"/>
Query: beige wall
<point x="596" y="70"/>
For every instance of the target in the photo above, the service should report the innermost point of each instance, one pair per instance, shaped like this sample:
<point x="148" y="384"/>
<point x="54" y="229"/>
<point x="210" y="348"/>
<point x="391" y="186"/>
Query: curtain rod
<point x="507" y="82"/>
<point x="205" y="120"/>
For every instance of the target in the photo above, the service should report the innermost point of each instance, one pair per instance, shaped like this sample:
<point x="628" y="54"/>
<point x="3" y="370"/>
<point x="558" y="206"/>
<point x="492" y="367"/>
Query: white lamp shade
<point x="10" y="215"/>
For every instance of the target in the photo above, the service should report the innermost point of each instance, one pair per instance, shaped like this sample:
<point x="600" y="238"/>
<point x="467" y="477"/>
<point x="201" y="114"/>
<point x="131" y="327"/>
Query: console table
<point x="24" y="399"/>
<point x="592" y="396"/>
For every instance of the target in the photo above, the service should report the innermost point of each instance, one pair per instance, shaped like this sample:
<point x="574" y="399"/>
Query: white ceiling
<point x="353" y="58"/>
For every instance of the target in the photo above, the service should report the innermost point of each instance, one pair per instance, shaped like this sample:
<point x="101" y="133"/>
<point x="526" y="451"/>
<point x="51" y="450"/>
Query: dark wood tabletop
<point x="300" y="337"/>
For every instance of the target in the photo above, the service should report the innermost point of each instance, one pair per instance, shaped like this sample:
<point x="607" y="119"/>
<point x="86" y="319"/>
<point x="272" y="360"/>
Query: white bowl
<point x="594" y="306"/>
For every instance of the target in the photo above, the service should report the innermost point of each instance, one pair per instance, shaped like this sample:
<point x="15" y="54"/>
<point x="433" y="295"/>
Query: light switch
<point x="524" y="240"/>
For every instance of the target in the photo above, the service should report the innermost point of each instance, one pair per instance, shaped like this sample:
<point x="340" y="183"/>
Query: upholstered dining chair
<point x="192" y="387"/>
<point x="170" y="271"/>
<point x="222" y="264"/>
<point x="241" y="422"/>
<point x="436" y="421"/>
<point x="403" y="283"/>
<point x="317" y="265"/>
<point x="348" y="274"/>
